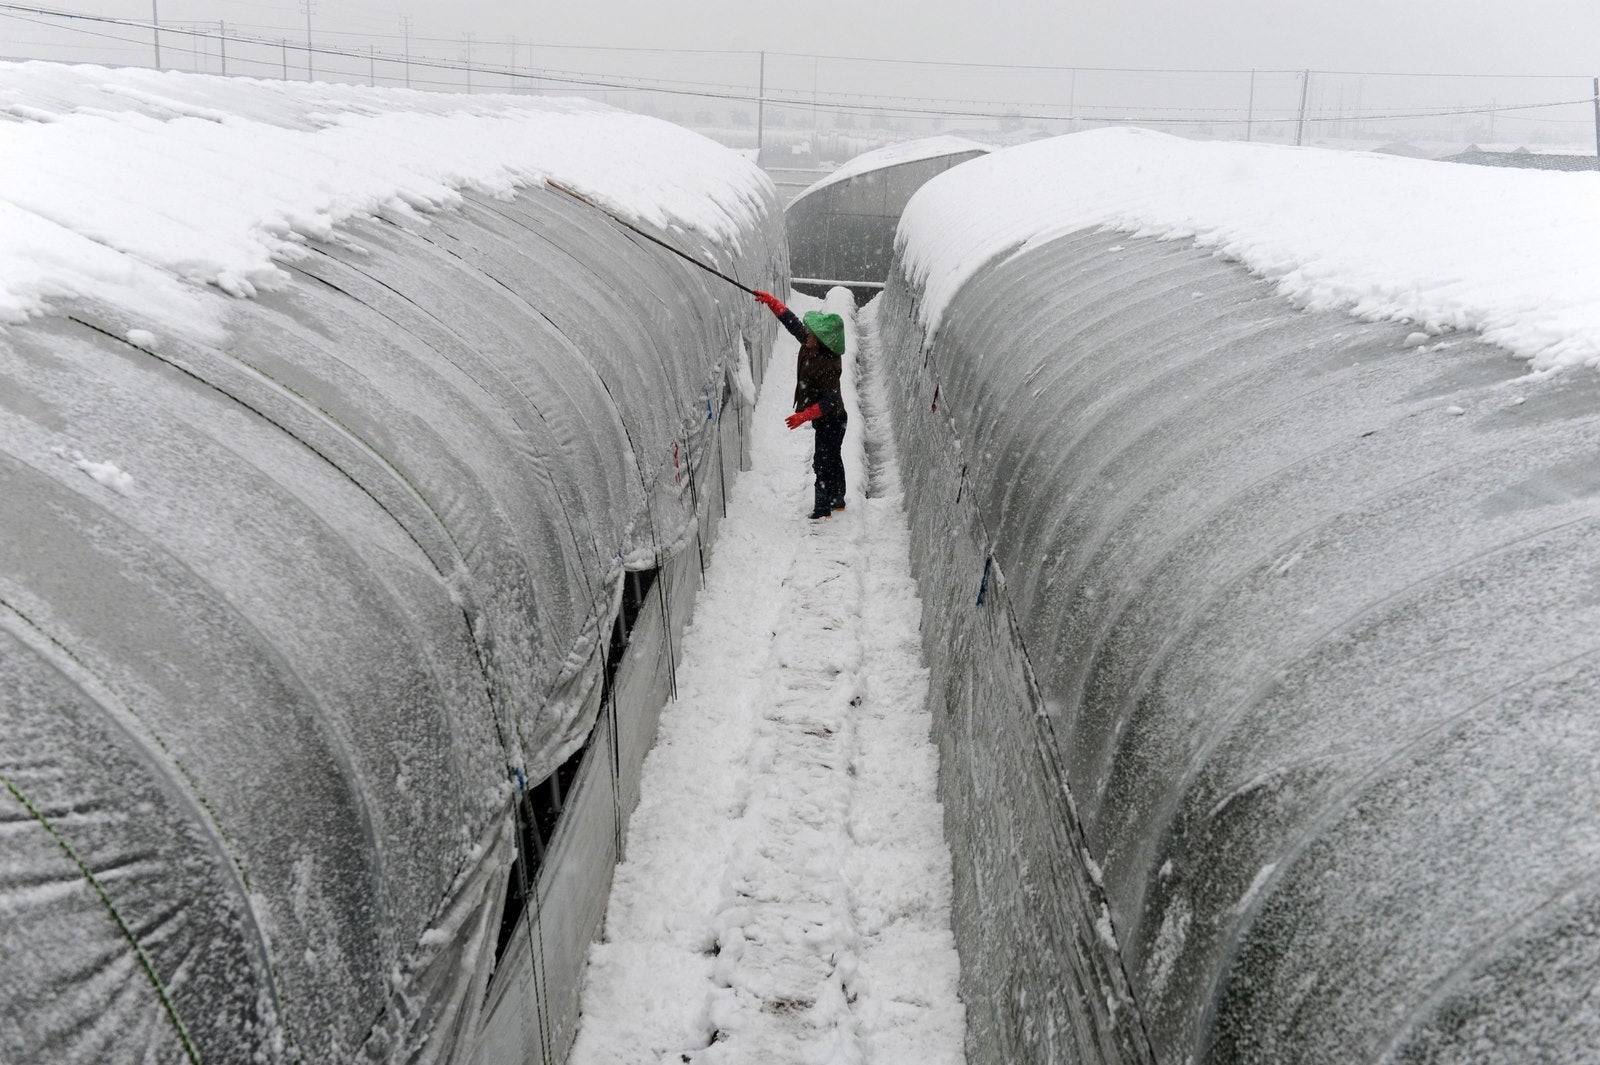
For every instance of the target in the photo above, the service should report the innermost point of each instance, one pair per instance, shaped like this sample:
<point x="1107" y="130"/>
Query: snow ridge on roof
<point x="145" y="188"/>
<point x="895" y="154"/>
<point x="1514" y="254"/>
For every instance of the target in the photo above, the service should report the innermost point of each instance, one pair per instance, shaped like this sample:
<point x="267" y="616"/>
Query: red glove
<point x="811" y="413"/>
<point x="774" y="304"/>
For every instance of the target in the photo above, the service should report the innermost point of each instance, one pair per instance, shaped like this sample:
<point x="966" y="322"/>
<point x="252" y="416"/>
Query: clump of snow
<point x="106" y="473"/>
<point x="1170" y="938"/>
<point x="895" y="154"/>
<point x="1103" y="928"/>
<point x="145" y="189"/>
<point x="1093" y="866"/>
<point x="1511" y="253"/>
<point x="1262" y="876"/>
<point x="142" y="337"/>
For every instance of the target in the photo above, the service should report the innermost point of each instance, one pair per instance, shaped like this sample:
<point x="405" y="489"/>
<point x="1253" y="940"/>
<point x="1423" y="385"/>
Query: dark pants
<point x="826" y="463"/>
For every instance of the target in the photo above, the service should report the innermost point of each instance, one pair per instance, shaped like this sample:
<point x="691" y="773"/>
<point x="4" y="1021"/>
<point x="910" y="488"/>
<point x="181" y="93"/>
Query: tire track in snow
<point x="786" y="892"/>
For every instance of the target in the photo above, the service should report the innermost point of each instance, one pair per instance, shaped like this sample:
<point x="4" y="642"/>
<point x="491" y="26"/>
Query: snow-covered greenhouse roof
<point x="329" y="431"/>
<point x="1510" y="254"/>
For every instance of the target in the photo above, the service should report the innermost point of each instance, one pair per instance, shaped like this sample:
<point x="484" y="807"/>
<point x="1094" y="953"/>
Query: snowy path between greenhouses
<point x="785" y="896"/>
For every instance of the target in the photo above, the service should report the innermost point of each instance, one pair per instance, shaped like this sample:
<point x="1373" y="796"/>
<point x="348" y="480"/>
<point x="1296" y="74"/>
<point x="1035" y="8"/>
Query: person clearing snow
<point x="785" y="893"/>
<point x="816" y="396"/>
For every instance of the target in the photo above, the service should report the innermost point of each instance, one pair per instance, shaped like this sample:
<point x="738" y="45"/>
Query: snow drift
<point x="1262" y="632"/>
<point x="329" y="436"/>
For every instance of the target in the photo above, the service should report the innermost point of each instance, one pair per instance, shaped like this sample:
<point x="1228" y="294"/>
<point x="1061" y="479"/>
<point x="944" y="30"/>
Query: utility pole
<point x="311" y="73"/>
<point x="761" y="107"/>
<point x="1250" y="110"/>
<point x="469" y="62"/>
<point x="511" y="78"/>
<point x="284" y="44"/>
<point x="222" y="44"/>
<point x="405" y="26"/>
<point x="1597" y="116"/>
<point x="372" y="65"/>
<point x="1300" y="128"/>
<point x="155" y="24"/>
<point x="815" y="122"/>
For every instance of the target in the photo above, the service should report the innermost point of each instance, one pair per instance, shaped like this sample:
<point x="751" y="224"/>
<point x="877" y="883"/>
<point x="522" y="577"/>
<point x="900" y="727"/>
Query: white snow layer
<point x="1514" y="254"/>
<point x="785" y="896"/>
<point x="895" y="154"/>
<point x="142" y="188"/>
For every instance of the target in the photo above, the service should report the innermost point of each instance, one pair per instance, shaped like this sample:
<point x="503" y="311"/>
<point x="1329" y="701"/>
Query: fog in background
<point x="838" y="78"/>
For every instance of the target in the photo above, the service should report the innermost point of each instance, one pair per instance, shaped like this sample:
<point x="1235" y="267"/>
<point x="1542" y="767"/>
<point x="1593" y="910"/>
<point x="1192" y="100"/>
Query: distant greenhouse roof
<point x="895" y="154"/>
<point x="1528" y="160"/>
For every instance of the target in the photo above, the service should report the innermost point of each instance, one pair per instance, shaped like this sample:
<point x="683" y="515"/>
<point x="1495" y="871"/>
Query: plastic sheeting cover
<point x="842" y="228"/>
<point x="1307" y="703"/>
<point x="282" y="610"/>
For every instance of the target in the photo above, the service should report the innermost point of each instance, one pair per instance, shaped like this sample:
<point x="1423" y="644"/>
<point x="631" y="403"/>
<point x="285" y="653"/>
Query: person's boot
<point x="823" y="507"/>
<point x="838" y="504"/>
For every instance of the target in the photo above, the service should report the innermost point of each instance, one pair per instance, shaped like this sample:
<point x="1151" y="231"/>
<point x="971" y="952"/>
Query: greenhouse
<point x="336" y="612"/>
<point x="841" y="229"/>
<point x="1262" y="635"/>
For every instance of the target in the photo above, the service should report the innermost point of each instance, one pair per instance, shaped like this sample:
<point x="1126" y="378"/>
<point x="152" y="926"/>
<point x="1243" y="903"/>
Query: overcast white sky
<point x="1479" y="37"/>
<point x="1490" y="36"/>
<point x="1498" y="36"/>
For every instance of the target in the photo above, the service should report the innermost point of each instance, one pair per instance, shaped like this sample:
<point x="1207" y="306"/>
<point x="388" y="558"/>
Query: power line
<point x="877" y="60"/>
<point x="1065" y="69"/>
<point x="839" y="103"/>
<point x="86" y="33"/>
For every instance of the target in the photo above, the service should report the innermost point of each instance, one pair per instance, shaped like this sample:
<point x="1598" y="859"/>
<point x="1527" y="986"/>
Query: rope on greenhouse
<point x="613" y="726"/>
<point x="208" y="812"/>
<point x="992" y="584"/>
<point x="529" y="886"/>
<point x="531" y="889"/>
<point x="510" y="748"/>
<point x="127" y="932"/>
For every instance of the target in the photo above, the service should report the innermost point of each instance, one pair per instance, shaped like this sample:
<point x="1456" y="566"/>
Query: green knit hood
<point x="829" y="329"/>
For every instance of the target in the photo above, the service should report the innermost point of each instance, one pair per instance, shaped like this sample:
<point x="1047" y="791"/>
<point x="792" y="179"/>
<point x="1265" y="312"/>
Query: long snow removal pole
<point x="648" y="236"/>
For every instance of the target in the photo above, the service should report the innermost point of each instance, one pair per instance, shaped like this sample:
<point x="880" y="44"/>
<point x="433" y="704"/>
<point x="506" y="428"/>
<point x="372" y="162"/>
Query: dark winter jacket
<point x="817" y="376"/>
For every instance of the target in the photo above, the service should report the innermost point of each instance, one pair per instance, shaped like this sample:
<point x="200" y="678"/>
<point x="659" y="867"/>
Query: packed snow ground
<point x="1514" y="254"/>
<point x="785" y="896"/>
